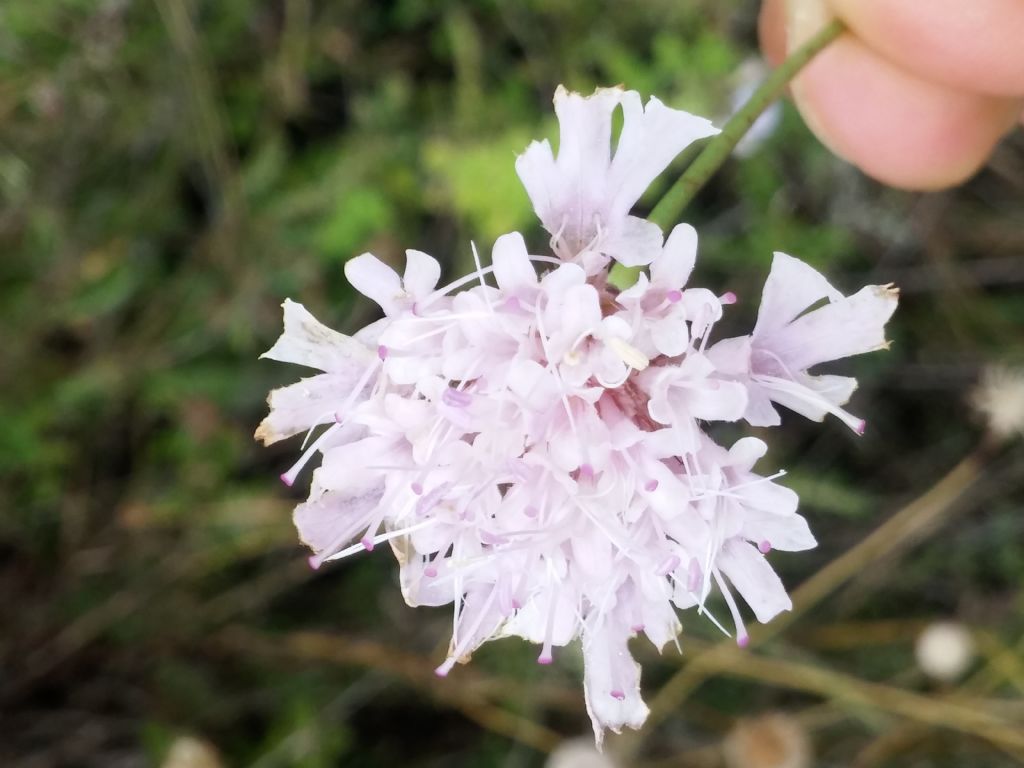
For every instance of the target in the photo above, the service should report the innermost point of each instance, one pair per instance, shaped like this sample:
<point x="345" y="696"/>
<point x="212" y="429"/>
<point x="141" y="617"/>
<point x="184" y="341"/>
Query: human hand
<point x="918" y="92"/>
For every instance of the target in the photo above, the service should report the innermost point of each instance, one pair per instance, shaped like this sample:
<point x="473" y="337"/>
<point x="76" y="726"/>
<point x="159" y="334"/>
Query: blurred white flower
<point x="999" y="398"/>
<point x="945" y="650"/>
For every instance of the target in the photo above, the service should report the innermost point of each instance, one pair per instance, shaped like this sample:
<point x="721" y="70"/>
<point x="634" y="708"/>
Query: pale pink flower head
<point x="536" y="446"/>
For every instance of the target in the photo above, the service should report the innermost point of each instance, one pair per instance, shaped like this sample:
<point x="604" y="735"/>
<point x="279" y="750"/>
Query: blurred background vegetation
<point x="170" y="171"/>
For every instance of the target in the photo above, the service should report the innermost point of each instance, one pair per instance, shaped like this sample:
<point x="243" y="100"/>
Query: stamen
<point x="460" y="650"/>
<point x="629" y="354"/>
<point x="288" y="478"/>
<point x="674" y="296"/>
<point x="479" y="271"/>
<point x="456" y="398"/>
<point x="341" y="414"/>
<point x="545" y="653"/>
<point x="810" y="396"/>
<point x="361" y="546"/>
<point x="651" y="486"/>
<point x="741" y="630"/>
<point x="382" y="352"/>
<point x="728" y="298"/>
<point x="764" y="547"/>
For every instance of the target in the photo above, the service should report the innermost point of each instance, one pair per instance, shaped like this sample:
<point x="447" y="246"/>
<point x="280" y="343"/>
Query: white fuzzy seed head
<point x="999" y="399"/>
<point x="945" y="650"/>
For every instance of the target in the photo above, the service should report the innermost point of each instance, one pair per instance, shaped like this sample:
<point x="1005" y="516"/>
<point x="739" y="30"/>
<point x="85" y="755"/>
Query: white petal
<point x="375" y="280"/>
<point x="843" y="328"/>
<point x="298" y="407"/>
<point x="670" y="334"/>
<point x="789" y="533"/>
<point x="717" y="401"/>
<point x="803" y="396"/>
<point x="746" y="451"/>
<point x="672" y="268"/>
<point x="760" y="411"/>
<point x="512" y="267"/>
<point x="584" y="138"/>
<point x="635" y="243"/>
<point x="421" y="273"/>
<point x="731" y="356"/>
<point x="540" y="177"/>
<point x="649" y="141"/>
<point x="791" y="288"/>
<point x="307" y="341"/>
<point x="611" y="681"/>
<point x="326" y="524"/>
<point x="753" y="577"/>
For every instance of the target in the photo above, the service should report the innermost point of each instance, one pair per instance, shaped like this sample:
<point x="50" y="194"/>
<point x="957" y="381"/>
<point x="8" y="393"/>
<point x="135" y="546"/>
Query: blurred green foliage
<point x="171" y="171"/>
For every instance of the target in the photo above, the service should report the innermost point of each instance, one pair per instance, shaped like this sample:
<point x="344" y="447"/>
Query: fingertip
<point x="901" y="130"/>
<point x="972" y="46"/>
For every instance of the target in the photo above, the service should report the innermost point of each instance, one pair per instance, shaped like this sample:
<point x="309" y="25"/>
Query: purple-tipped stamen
<point x="456" y="398"/>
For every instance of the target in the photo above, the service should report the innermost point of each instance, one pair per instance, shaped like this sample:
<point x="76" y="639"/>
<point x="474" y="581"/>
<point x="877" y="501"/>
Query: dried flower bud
<point x="770" y="741"/>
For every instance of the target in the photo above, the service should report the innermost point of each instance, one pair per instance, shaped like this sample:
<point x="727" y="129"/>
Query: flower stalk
<point x="718" y="149"/>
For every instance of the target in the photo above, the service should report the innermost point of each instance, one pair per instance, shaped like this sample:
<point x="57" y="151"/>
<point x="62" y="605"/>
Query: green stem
<point x="668" y="210"/>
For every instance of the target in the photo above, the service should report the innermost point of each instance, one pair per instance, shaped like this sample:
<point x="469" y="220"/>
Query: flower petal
<point x="306" y="341"/>
<point x="635" y="243"/>
<point x="791" y="288"/>
<point x="753" y="577"/>
<point x="845" y="327"/>
<point x="421" y="273"/>
<point x="512" y="268"/>
<point x="376" y="280"/>
<point x="611" y="680"/>
<point x="327" y="523"/>
<point x="649" y="141"/>
<point x="672" y="268"/>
